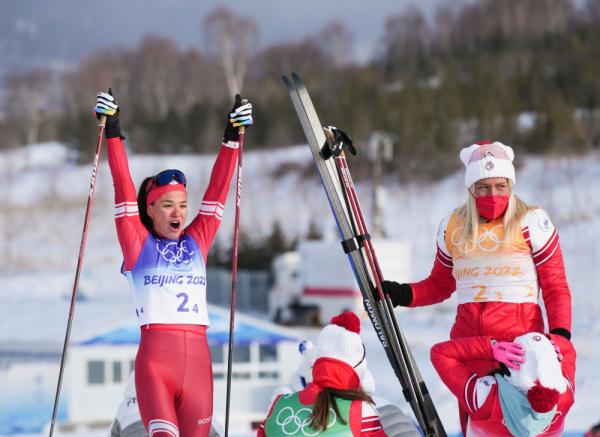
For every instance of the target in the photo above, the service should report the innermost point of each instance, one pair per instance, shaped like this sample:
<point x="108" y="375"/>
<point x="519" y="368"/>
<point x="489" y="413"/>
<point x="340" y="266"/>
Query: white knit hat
<point x="367" y="381"/>
<point x="485" y="159"/>
<point x="541" y="373"/>
<point x="341" y="340"/>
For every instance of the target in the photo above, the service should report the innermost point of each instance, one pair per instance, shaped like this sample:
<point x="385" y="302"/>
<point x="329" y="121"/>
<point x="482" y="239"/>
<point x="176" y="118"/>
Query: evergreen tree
<point x="314" y="231"/>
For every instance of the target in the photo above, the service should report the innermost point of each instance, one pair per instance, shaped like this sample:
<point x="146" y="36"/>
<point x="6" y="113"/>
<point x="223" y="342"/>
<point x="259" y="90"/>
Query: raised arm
<point x="130" y="230"/>
<point x="205" y="225"/>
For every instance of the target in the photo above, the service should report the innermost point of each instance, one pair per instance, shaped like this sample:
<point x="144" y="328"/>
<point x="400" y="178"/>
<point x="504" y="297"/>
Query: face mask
<point x="491" y="207"/>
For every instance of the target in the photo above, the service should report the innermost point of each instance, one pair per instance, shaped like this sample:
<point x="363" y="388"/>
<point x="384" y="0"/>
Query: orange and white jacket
<point x="499" y="285"/>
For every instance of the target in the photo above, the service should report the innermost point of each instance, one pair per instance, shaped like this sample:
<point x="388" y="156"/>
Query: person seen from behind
<point x="335" y="403"/>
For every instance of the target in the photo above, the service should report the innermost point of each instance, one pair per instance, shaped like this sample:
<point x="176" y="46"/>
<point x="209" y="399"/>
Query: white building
<point x="265" y="357"/>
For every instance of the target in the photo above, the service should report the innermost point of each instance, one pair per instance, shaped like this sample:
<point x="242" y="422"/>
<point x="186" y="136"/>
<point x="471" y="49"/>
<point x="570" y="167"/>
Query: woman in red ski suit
<point x="503" y="410"/>
<point x="497" y="253"/>
<point x="165" y="264"/>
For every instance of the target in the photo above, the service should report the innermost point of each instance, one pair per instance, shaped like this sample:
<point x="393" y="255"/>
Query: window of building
<point x="241" y="354"/>
<point x="268" y="353"/>
<point x="117" y="372"/>
<point x="216" y="354"/>
<point x="96" y="372"/>
<point x="268" y="375"/>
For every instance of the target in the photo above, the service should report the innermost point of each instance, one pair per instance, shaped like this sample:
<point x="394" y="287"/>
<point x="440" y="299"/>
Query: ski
<point x="339" y="187"/>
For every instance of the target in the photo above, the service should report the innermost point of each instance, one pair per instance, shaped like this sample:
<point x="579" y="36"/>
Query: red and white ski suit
<point x="497" y="284"/>
<point x="173" y="373"/>
<point x="479" y="397"/>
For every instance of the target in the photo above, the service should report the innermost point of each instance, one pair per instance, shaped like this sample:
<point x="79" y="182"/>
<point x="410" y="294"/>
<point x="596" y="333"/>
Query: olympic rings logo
<point x="174" y="252"/>
<point x="291" y="422"/>
<point x="488" y="241"/>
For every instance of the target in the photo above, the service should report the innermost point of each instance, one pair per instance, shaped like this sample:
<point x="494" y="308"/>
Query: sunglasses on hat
<point x="165" y="177"/>
<point x="363" y="357"/>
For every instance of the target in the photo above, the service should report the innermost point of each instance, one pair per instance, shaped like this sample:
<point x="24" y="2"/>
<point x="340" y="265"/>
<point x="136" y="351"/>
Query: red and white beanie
<point x="341" y="339"/>
<point x="540" y="376"/>
<point x="486" y="159"/>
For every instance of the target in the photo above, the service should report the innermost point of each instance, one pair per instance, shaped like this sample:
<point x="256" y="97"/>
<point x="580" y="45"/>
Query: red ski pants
<point x="173" y="379"/>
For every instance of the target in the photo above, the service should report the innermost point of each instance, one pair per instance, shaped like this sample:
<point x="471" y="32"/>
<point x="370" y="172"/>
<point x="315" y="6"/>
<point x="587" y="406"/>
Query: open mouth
<point x="175" y="225"/>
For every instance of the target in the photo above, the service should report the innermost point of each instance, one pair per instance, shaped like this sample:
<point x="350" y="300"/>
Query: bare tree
<point x="336" y="40"/>
<point x="406" y="36"/>
<point x="445" y="19"/>
<point x="27" y="99"/>
<point x="155" y="69"/>
<point x="591" y="11"/>
<point x="230" y="39"/>
<point x="514" y="19"/>
<point x="191" y="78"/>
<point x="304" y="57"/>
<point x="106" y="68"/>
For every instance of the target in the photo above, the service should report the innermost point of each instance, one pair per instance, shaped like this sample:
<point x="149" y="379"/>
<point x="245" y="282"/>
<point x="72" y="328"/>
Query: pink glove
<point x="509" y="353"/>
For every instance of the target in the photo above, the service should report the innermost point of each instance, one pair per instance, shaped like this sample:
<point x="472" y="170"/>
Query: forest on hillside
<point x="526" y="72"/>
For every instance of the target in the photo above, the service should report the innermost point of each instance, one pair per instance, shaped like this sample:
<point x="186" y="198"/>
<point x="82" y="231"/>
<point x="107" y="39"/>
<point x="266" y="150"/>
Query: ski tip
<point x="298" y="83"/>
<point x="285" y="80"/>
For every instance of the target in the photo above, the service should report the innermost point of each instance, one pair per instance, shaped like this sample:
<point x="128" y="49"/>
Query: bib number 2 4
<point x="183" y="306"/>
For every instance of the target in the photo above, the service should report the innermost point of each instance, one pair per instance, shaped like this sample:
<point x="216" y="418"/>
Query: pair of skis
<point x="339" y="187"/>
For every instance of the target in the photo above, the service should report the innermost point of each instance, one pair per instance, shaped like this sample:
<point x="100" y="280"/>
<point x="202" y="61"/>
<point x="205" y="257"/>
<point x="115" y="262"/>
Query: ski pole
<point x="86" y="221"/>
<point x="356" y="246"/>
<point x="234" y="262"/>
<point x="361" y="232"/>
<point x="428" y="413"/>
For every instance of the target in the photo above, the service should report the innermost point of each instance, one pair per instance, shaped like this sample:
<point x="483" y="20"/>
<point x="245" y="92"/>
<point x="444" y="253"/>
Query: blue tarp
<point x="28" y="412"/>
<point x="218" y="333"/>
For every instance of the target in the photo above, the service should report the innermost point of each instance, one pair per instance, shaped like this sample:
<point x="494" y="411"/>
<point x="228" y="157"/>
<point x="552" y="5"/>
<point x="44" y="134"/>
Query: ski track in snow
<point x="43" y="197"/>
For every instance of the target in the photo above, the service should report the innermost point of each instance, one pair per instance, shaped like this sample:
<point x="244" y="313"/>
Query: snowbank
<point x="43" y="204"/>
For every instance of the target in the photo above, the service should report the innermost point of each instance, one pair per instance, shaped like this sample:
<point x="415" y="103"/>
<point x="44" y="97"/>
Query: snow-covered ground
<point x="43" y="195"/>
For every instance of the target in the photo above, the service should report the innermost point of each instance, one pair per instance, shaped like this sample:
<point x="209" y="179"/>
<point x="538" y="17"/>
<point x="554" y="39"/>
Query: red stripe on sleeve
<point x="444" y="259"/>
<point x="527" y="236"/>
<point x="370" y="425"/>
<point x="547" y="250"/>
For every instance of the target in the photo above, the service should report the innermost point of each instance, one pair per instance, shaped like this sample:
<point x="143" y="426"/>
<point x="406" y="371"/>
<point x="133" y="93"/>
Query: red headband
<point x="158" y="191"/>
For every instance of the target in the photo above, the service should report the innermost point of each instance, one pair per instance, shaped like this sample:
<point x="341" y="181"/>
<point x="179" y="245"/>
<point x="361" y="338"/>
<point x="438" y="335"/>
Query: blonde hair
<point x="468" y="217"/>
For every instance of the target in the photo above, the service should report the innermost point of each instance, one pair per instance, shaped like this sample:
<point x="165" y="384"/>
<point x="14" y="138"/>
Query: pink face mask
<point x="491" y="207"/>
